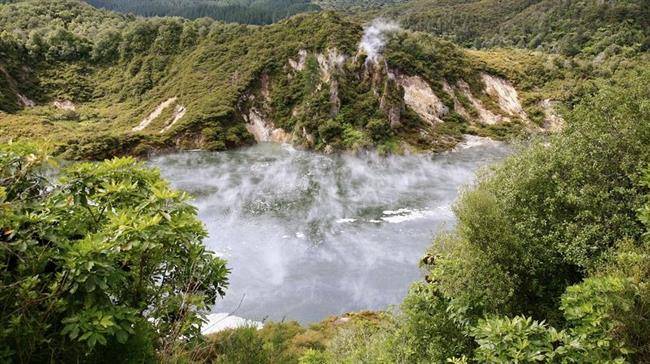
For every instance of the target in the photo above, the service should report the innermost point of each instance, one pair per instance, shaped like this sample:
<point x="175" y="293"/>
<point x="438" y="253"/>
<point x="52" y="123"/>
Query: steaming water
<point x="309" y="235"/>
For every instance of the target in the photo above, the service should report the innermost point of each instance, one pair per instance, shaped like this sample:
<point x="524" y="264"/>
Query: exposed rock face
<point x="329" y="63"/>
<point x="494" y="101"/>
<point x="471" y="141"/>
<point x="254" y="110"/>
<point x="553" y="122"/>
<point x="299" y="64"/>
<point x="64" y="105"/>
<point x="179" y="112"/>
<point x="505" y="94"/>
<point x="278" y="135"/>
<point x="392" y="100"/>
<point x="263" y="130"/>
<point x="485" y="116"/>
<point x="419" y="96"/>
<point x="458" y="106"/>
<point x="25" y="101"/>
<point x="154" y="114"/>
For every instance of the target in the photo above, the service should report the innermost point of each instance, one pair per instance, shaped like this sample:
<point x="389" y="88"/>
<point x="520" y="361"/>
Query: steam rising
<point x="374" y="37"/>
<point x="309" y="235"/>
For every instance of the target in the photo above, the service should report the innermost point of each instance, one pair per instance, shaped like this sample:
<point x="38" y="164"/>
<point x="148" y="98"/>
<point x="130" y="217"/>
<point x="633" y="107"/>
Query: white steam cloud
<point x="374" y="37"/>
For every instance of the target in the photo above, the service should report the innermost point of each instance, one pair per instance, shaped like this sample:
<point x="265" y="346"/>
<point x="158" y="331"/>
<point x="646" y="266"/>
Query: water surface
<point x="309" y="235"/>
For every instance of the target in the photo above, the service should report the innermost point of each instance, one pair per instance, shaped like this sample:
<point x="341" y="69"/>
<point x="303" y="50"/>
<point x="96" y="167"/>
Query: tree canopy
<point x="98" y="261"/>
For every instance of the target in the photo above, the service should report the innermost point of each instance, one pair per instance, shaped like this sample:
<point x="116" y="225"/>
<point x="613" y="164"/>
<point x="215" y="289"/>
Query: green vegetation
<point x="110" y="72"/>
<point x="103" y="263"/>
<point x="568" y="27"/>
<point x="240" y="11"/>
<point x="207" y="65"/>
<point x="549" y="260"/>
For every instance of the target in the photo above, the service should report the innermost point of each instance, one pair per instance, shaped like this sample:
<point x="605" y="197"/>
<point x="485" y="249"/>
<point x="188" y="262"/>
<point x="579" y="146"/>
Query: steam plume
<point x="374" y="37"/>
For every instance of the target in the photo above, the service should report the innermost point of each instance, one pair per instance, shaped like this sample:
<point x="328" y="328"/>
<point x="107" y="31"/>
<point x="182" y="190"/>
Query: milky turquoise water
<point x="310" y="235"/>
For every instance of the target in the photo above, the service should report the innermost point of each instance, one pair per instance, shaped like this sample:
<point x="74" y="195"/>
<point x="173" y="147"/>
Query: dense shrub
<point x="549" y="260"/>
<point x="106" y="258"/>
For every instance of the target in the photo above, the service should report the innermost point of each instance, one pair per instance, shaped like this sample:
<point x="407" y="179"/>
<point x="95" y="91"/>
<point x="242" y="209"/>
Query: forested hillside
<point x="567" y="27"/>
<point x="310" y="80"/>
<point x="240" y="11"/>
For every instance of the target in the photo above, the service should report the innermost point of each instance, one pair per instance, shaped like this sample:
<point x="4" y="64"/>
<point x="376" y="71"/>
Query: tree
<point x="108" y="258"/>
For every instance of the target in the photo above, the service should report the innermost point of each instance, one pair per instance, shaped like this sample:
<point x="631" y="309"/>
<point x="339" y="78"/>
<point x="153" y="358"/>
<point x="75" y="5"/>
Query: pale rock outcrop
<point x="419" y="96"/>
<point x="154" y="114"/>
<point x="553" y="122"/>
<point x="299" y="64"/>
<point x="179" y="112"/>
<point x="64" y="105"/>
<point x="485" y="116"/>
<point x="256" y="125"/>
<point x="263" y="130"/>
<point x="278" y="135"/>
<point x="329" y="62"/>
<point x="458" y="106"/>
<point x="505" y="94"/>
<point x="472" y="141"/>
<point x="25" y="101"/>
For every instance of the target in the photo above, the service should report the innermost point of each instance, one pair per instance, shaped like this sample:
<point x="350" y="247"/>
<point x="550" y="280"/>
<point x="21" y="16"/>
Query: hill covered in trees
<point x="240" y="11"/>
<point x="100" y="83"/>
<point x="566" y="27"/>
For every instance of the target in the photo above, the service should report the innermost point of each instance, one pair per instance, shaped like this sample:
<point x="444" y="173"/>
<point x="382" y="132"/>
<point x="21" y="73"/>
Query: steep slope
<point x="105" y="84"/>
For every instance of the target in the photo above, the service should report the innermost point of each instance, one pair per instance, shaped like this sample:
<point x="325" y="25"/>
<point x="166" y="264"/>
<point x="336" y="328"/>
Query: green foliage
<point x="107" y="253"/>
<point x="240" y="11"/>
<point x="516" y="340"/>
<point x="432" y="330"/>
<point x="241" y="345"/>
<point x="566" y="27"/>
<point x="379" y="129"/>
<point x="364" y="341"/>
<point x="276" y="342"/>
<point x="549" y="260"/>
<point x="312" y="356"/>
<point x="431" y="57"/>
<point x="591" y="309"/>
<point x="547" y="215"/>
<point x="606" y="323"/>
<point x="134" y="64"/>
<point x="329" y="131"/>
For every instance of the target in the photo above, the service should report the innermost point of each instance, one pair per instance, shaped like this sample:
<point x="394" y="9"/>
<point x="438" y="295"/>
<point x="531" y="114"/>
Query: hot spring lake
<point x="308" y="235"/>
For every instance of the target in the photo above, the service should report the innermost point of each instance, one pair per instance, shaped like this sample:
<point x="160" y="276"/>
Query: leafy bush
<point x="106" y="258"/>
<point x="539" y="222"/>
<point x="330" y="131"/>
<point x="549" y="260"/>
<point x="518" y="340"/>
<point x="379" y="129"/>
